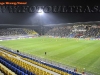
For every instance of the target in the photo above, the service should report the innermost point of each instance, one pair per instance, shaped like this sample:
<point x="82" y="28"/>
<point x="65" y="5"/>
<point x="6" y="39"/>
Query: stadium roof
<point x="86" y="23"/>
<point x="79" y="23"/>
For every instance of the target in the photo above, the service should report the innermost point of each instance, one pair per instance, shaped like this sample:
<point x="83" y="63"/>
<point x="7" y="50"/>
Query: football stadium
<point x="52" y="37"/>
<point x="53" y="49"/>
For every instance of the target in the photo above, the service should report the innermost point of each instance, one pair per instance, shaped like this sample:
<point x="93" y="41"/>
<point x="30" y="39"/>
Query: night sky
<point x="50" y="18"/>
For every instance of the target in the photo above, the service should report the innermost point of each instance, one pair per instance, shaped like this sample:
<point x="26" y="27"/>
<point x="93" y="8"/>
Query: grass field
<point x="76" y="53"/>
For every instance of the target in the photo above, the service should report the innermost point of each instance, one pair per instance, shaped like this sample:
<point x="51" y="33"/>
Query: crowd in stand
<point x="84" y="31"/>
<point x="93" y="32"/>
<point x="59" y="31"/>
<point x="16" y="31"/>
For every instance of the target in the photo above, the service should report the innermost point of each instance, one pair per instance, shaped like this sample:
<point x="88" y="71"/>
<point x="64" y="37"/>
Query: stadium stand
<point x="26" y="65"/>
<point x="5" y="56"/>
<point x="74" y="31"/>
<point x="59" y="31"/>
<point x="93" y="32"/>
<point x="17" y="31"/>
<point x="5" y="70"/>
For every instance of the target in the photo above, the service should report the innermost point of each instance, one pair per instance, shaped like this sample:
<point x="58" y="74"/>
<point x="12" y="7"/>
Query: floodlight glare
<point x="41" y="12"/>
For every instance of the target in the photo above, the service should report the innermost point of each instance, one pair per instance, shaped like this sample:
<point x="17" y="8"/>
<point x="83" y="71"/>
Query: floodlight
<point x="41" y="12"/>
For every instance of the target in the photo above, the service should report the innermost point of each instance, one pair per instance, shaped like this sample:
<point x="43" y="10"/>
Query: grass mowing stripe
<point x="81" y="52"/>
<point x="77" y="53"/>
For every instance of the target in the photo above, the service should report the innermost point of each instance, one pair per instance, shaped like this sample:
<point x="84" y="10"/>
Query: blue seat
<point x="22" y="73"/>
<point x="25" y="74"/>
<point x="30" y="73"/>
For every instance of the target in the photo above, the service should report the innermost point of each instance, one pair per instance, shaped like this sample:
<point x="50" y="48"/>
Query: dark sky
<point x="51" y="18"/>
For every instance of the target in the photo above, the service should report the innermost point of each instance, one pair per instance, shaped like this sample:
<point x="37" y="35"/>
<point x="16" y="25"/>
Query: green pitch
<point x="77" y="53"/>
